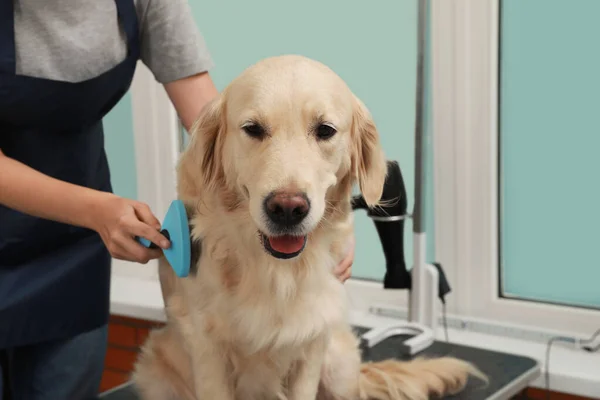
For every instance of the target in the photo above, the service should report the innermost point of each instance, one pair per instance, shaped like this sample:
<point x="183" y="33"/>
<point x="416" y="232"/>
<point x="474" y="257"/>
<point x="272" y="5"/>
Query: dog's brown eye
<point x="324" y="131"/>
<point x="254" y="130"/>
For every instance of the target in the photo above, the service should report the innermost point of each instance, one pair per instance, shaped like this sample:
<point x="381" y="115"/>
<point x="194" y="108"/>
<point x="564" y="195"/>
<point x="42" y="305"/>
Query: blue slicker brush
<point x="175" y="228"/>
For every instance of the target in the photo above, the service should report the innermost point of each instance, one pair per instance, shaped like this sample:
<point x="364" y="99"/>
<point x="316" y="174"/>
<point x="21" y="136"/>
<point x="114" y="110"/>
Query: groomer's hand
<point x="343" y="271"/>
<point x="119" y="220"/>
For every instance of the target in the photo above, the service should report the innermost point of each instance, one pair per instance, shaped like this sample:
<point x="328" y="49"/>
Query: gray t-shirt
<point x="75" y="40"/>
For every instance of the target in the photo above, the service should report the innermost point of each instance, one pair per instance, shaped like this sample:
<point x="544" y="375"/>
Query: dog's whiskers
<point x="326" y="222"/>
<point x="389" y="202"/>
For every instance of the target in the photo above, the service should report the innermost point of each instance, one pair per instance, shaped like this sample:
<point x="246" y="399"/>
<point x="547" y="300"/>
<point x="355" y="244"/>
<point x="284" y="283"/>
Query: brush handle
<point x="146" y="243"/>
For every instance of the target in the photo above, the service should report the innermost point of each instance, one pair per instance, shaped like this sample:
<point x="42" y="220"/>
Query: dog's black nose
<point x="286" y="209"/>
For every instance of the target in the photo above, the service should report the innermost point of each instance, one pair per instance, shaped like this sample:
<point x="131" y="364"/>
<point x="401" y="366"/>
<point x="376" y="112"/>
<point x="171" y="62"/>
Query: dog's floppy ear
<point x="368" y="159"/>
<point x="200" y="164"/>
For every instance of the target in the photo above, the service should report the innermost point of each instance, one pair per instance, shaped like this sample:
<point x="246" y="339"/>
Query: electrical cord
<point x="547" y="363"/>
<point x="443" y="290"/>
<point x="448" y="347"/>
<point x="445" y="321"/>
<point x="587" y="345"/>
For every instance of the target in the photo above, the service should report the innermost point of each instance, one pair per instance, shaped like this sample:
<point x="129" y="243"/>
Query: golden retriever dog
<point x="267" y="179"/>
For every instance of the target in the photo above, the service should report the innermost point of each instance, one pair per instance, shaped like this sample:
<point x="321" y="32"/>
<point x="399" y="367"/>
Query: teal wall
<point x="550" y="139"/>
<point x="372" y="47"/>
<point x="549" y="136"/>
<point x="120" y="150"/>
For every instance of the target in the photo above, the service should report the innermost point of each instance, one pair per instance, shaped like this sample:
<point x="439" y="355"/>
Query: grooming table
<point x="508" y="374"/>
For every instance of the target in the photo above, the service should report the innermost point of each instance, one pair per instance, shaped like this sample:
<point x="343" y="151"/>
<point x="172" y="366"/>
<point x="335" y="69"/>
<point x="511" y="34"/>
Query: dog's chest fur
<point x="266" y="374"/>
<point x="265" y="324"/>
<point x="271" y="344"/>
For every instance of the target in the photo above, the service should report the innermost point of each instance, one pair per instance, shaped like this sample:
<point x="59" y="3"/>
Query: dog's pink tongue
<point x="287" y="244"/>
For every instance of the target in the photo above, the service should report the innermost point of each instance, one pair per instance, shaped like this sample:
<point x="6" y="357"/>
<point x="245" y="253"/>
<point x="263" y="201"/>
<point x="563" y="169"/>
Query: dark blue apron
<point x="55" y="278"/>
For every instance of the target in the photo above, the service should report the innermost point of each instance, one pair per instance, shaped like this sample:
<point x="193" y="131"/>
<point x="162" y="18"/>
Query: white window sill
<point x="574" y="372"/>
<point x="136" y="298"/>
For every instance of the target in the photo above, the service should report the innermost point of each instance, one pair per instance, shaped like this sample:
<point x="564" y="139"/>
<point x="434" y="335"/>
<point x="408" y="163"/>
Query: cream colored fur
<point x="250" y="326"/>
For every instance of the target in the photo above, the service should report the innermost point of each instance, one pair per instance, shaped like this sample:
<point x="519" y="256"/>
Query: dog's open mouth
<point x="285" y="246"/>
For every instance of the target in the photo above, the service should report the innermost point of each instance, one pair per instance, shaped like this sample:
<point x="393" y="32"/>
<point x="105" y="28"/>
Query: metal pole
<point x="420" y="298"/>
<point x="420" y="144"/>
<point x="422" y="320"/>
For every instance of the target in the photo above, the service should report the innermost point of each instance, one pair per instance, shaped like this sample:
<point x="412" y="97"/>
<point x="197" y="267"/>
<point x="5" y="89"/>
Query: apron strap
<point x="7" y="37"/>
<point x="128" y="18"/>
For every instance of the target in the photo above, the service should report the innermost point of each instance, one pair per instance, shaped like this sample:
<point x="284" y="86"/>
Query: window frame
<point x="157" y="146"/>
<point x="465" y="77"/>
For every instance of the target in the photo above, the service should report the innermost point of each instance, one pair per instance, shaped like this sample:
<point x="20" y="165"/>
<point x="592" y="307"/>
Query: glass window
<point x="549" y="139"/>
<point x="120" y="148"/>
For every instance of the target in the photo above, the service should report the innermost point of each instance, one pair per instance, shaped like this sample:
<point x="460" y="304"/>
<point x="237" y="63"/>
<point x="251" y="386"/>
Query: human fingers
<point x="137" y="228"/>
<point x="117" y="223"/>
<point x="144" y="213"/>
<point x="124" y="247"/>
<point x="346" y="275"/>
<point x="343" y="269"/>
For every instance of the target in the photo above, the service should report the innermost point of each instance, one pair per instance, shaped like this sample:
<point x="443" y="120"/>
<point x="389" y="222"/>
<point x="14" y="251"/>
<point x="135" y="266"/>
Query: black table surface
<point x="507" y="373"/>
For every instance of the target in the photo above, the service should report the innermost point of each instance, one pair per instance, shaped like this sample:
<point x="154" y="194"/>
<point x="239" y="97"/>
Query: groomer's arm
<point x="116" y="219"/>
<point x="173" y="48"/>
<point x="24" y="189"/>
<point x="189" y="95"/>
